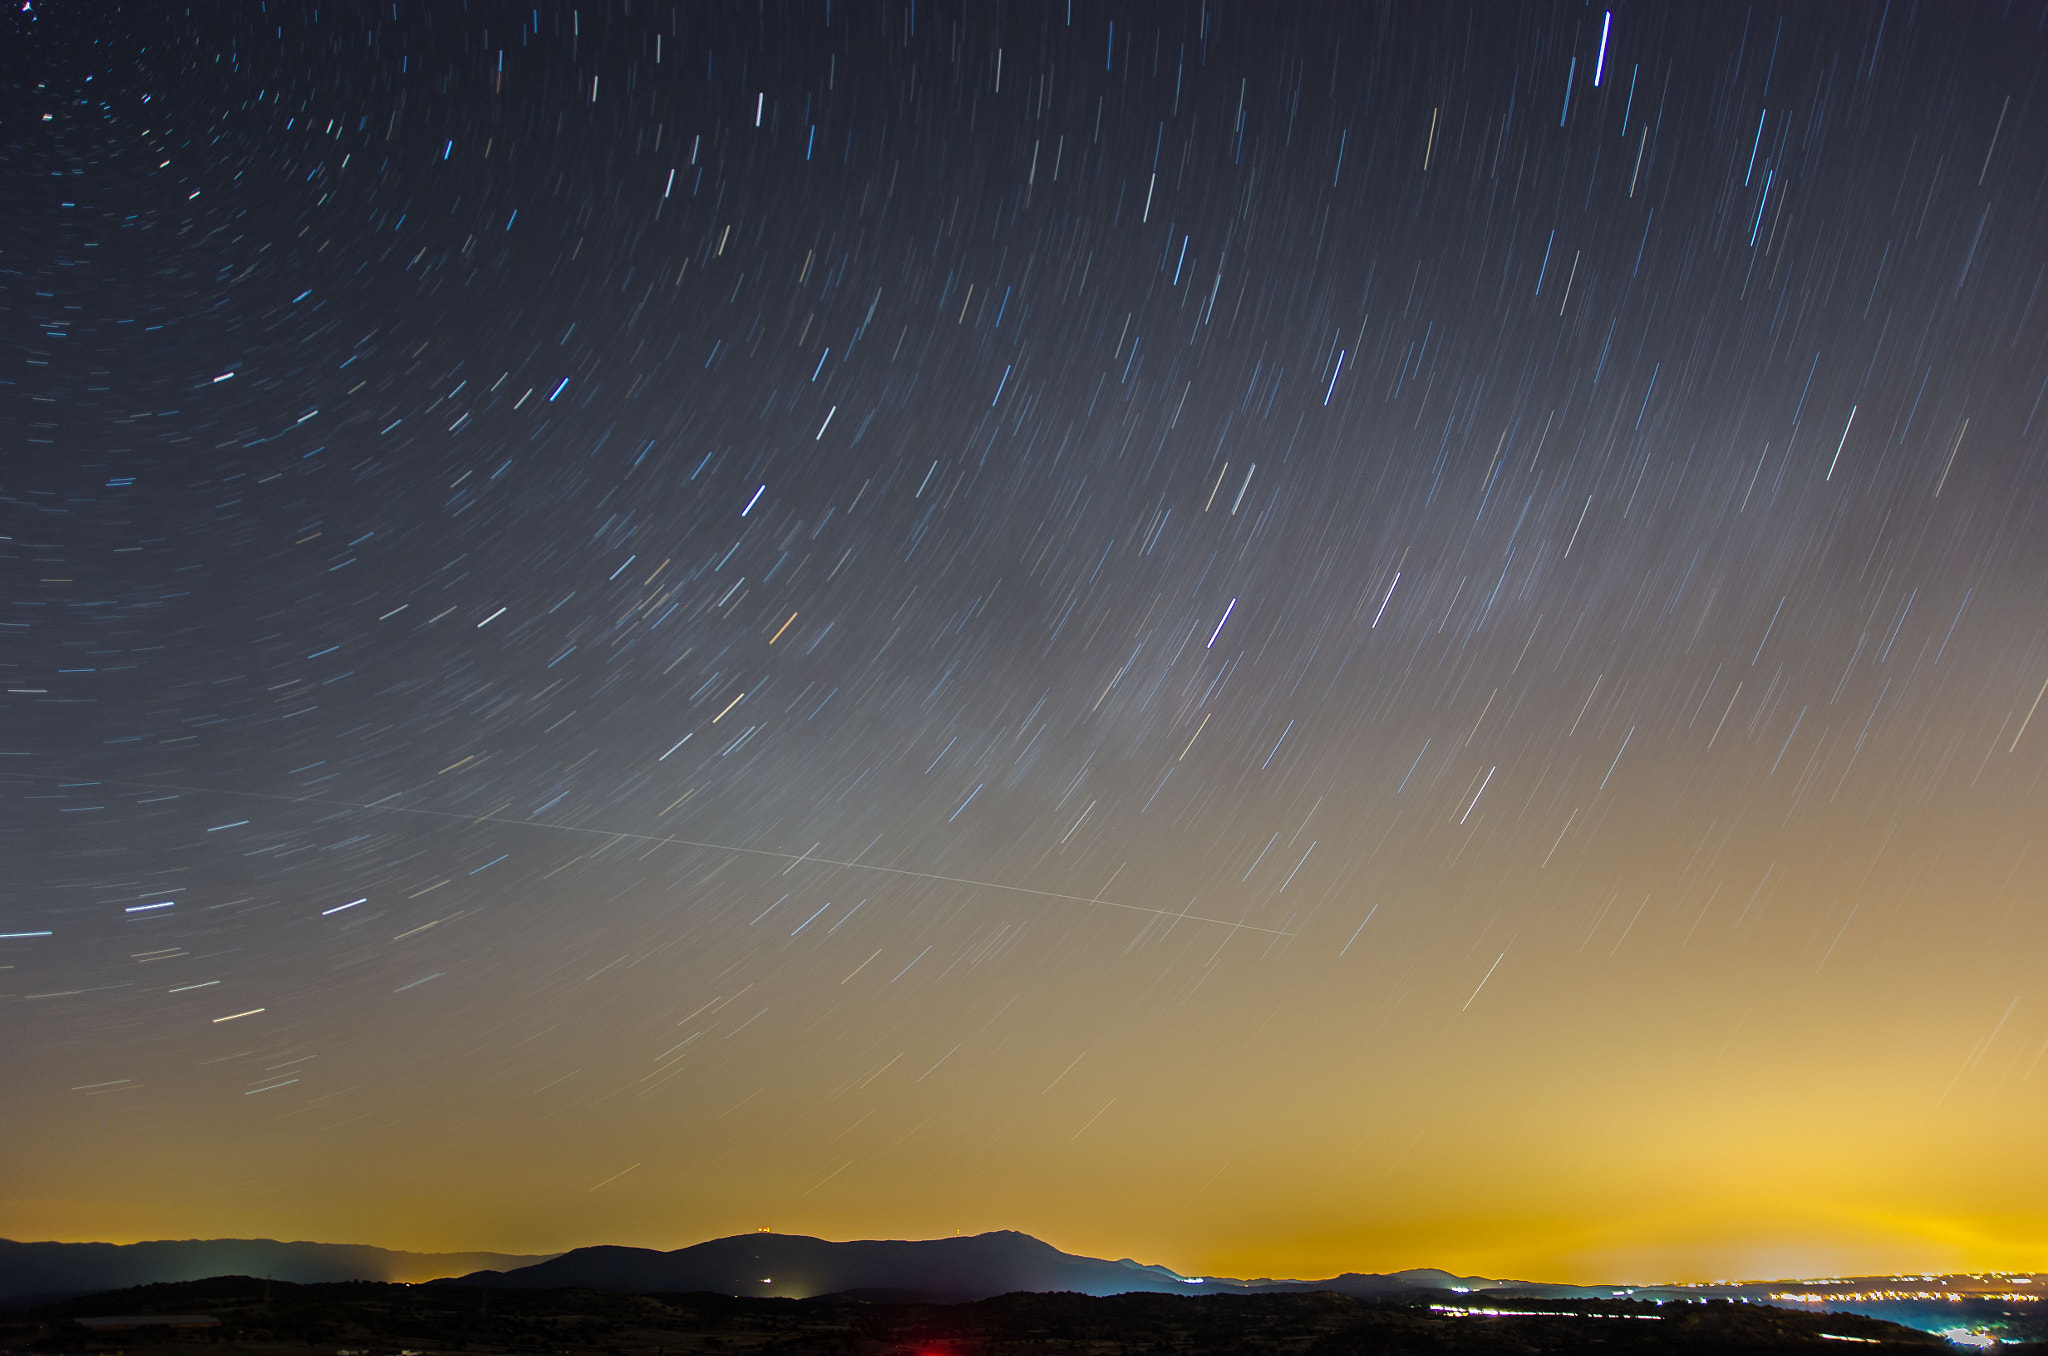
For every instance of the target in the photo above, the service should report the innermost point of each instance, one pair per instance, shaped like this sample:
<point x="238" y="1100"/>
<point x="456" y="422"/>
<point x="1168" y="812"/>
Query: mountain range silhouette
<point x="795" y="1266"/>
<point x="790" y="1266"/>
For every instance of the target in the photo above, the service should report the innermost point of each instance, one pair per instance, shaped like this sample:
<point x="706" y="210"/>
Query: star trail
<point x="644" y="588"/>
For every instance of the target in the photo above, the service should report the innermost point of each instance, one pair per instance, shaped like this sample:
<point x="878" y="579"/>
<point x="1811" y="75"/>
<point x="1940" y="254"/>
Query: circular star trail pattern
<point x="1282" y="638"/>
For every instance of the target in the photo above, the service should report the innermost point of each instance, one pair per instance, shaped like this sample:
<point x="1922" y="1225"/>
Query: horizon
<point x="1292" y="638"/>
<point x="1252" y="1277"/>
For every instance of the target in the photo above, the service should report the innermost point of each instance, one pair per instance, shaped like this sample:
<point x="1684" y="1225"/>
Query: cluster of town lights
<point x="1464" y="1312"/>
<point x="1952" y="1296"/>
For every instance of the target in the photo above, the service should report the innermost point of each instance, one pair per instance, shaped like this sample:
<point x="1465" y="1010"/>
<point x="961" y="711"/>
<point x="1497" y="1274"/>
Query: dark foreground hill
<point x="52" y="1269"/>
<point x="795" y="1266"/>
<point x="274" y="1319"/>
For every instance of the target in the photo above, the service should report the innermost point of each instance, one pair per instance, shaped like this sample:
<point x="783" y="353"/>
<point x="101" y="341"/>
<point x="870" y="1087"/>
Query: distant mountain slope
<point x="795" y="1266"/>
<point x="69" y="1268"/>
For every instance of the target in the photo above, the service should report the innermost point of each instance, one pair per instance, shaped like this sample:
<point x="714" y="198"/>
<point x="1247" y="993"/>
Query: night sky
<point x="1276" y="638"/>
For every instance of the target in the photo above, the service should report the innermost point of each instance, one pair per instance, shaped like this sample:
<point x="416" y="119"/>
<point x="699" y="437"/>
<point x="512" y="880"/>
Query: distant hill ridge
<point x="795" y="1266"/>
<point x="75" y="1268"/>
<point x="951" y="1270"/>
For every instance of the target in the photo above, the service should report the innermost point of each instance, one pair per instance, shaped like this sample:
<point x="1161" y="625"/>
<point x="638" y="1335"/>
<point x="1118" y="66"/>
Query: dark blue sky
<point x="627" y="621"/>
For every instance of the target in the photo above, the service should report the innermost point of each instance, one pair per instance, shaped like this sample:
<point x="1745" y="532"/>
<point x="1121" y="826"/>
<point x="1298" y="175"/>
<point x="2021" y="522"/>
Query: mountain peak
<point x="962" y="1266"/>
